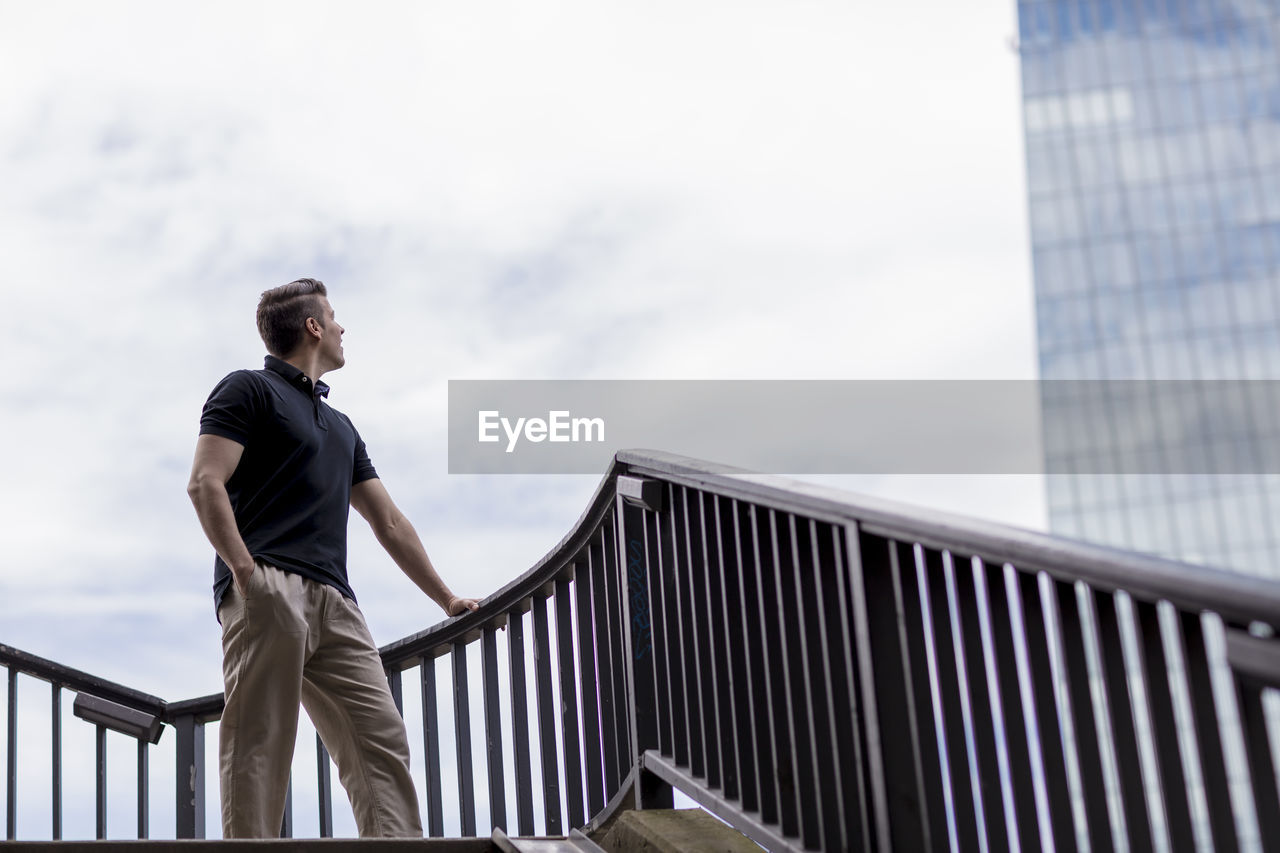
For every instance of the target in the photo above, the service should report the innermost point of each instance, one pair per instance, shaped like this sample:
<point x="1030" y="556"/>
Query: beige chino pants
<point x="287" y="641"/>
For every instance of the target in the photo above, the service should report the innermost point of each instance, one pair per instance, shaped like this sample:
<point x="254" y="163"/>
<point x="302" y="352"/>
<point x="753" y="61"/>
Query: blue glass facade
<point x="1153" y="176"/>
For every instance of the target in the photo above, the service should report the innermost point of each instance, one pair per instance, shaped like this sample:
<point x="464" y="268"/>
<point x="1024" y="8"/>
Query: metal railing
<point x="823" y="672"/>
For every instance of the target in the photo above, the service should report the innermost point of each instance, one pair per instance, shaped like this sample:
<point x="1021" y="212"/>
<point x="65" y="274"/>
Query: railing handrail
<point x="78" y="680"/>
<point x="1238" y="598"/>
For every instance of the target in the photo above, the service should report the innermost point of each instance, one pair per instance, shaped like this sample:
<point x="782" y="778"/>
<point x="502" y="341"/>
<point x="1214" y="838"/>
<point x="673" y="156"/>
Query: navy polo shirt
<point x="291" y="491"/>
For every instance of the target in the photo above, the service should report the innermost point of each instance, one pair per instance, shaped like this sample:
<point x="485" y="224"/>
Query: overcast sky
<point x="750" y="190"/>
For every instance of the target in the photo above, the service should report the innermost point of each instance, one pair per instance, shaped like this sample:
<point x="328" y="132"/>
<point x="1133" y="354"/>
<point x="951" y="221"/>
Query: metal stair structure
<point x="819" y="670"/>
<point x="282" y="845"/>
<point x="499" y="842"/>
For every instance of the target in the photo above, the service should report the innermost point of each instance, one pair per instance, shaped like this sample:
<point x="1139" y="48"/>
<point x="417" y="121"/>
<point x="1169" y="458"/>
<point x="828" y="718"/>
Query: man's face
<point x="331" y="338"/>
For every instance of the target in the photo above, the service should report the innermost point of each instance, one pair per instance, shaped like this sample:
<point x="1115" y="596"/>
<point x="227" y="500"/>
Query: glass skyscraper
<point x="1153" y="173"/>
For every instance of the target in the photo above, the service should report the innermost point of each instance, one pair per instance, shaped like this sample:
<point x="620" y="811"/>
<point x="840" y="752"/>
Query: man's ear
<point x="313" y="327"/>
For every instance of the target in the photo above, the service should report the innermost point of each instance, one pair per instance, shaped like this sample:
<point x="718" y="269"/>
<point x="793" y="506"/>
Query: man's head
<point x="283" y="313"/>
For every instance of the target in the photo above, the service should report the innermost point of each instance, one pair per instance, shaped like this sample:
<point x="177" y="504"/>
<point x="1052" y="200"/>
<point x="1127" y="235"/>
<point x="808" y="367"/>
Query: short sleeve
<point x="231" y="409"/>
<point x="363" y="468"/>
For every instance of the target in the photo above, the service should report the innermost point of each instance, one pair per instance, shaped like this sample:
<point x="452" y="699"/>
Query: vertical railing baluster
<point x="11" y="788"/>
<point x="1088" y="743"/>
<point x="144" y="785"/>
<point x="55" y="722"/>
<point x="1164" y="726"/>
<point x="520" y="725"/>
<point x="773" y="621"/>
<point x="189" y="776"/>
<point x="622" y="682"/>
<point x="431" y="746"/>
<point x="906" y="576"/>
<point x="868" y="561"/>
<point x="735" y="632"/>
<point x="589" y="680"/>
<point x="324" y="789"/>
<point x="1208" y="732"/>
<point x="493" y="727"/>
<point x="657" y="560"/>
<point x="752" y="643"/>
<point x="982" y="709"/>
<point x="607" y="639"/>
<point x="696" y="630"/>
<point x="964" y="808"/>
<point x="1133" y="793"/>
<point x="1052" y="749"/>
<point x="286" y="821"/>
<point x="764" y="656"/>
<point x="546" y="719"/>
<point x="777" y="700"/>
<point x="100" y="780"/>
<point x="396" y="685"/>
<point x="1004" y="646"/>
<point x="569" y="704"/>
<point x="684" y="653"/>
<point x="462" y="739"/>
<point x="836" y="610"/>
<point x="797" y="701"/>
<point x="705" y="603"/>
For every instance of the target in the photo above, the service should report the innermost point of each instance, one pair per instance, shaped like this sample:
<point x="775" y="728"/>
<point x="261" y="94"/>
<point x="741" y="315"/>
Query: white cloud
<point x="491" y="190"/>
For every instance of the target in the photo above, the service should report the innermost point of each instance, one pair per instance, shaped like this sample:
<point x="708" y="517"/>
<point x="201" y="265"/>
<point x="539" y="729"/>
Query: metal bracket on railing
<point x="118" y="718"/>
<point x="637" y="491"/>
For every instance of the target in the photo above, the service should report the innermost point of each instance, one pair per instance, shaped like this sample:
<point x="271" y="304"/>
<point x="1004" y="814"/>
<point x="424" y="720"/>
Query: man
<point x="275" y="472"/>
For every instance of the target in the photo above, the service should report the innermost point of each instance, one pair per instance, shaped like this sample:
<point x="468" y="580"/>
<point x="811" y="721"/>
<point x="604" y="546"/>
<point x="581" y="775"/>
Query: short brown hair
<point x="283" y="313"/>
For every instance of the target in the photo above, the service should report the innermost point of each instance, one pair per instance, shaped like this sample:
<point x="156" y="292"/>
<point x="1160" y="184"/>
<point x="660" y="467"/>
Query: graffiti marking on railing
<point x="642" y="639"/>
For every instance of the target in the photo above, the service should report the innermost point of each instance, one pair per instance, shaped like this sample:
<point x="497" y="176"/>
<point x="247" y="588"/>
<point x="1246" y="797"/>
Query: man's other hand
<point x="240" y="577"/>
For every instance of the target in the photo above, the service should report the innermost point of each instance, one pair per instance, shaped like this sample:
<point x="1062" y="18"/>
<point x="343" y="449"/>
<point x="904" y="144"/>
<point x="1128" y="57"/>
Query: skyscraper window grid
<point x="1154" y="194"/>
<point x="1152" y="133"/>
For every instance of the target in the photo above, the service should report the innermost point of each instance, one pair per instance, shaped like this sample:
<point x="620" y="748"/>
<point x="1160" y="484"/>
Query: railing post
<point x="462" y="741"/>
<point x="55" y="722"/>
<point x="100" y="786"/>
<point x="144" y="790"/>
<point x="324" y="789"/>
<point x="637" y="546"/>
<point x="431" y="747"/>
<point x="189" y="814"/>
<point x="11" y="787"/>
<point x="286" y="821"/>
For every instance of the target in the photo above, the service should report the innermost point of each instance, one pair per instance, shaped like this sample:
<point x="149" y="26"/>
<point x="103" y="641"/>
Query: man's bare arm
<point x="396" y="534"/>
<point x="216" y="460"/>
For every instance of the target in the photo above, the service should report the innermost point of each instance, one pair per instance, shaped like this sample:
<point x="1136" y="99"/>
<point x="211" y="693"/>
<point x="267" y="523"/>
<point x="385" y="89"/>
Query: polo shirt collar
<point x="296" y="377"/>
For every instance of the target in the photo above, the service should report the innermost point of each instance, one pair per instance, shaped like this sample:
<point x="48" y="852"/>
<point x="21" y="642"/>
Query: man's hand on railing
<point x="457" y="605"/>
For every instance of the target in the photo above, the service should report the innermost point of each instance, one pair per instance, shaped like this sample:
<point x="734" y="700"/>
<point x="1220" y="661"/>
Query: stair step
<point x="576" y="842"/>
<point x="273" y="845"/>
